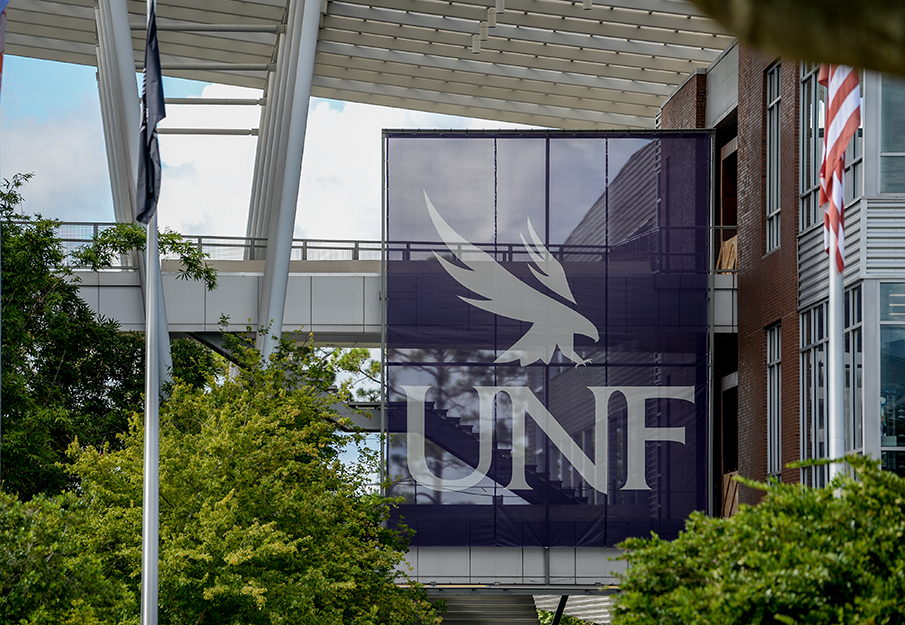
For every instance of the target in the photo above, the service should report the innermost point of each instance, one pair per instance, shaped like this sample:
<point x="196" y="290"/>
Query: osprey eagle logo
<point x="554" y="324"/>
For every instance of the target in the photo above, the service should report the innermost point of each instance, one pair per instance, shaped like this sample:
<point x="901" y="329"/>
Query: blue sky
<point x="50" y="124"/>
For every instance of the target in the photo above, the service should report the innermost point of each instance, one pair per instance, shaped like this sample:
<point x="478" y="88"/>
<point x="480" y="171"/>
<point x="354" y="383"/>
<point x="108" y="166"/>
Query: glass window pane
<point x="892" y="302"/>
<point x="892" y="174"/>
<point x="893" y="461"/>
<point x="892" y="102"/>
<point x="892" y="386"/>
<point x="857" y="421"/>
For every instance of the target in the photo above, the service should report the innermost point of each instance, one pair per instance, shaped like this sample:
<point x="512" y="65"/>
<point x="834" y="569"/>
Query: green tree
<point x="803" y="555"/>
<point x="66" y="373"/>
<point x="546" y="618"/>
<point x="260" y="520"/>
<point x="47" y="575"/>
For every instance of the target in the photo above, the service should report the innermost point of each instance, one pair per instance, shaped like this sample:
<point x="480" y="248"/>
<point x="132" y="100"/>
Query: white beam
<point x="597" y="118"/>
<point x="279" y="242"/>
<point x="506" y="53"/>
<point x="514" y="40"/>
<point x="533" y="89"/>
<point x="523" y="93"/>
<point x="586" y="38"/>
<point x="355" y="53"/>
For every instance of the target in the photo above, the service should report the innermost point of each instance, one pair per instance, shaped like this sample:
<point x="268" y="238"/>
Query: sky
<point x="50" y="124"/>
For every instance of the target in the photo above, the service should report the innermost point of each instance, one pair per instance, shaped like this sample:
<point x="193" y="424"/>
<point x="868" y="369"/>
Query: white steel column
<point x="268" y="141"/>
<point x="270" y="159"/>
<point x="121" y="115"/>
<point x="120" y="107"/>
<point x="281" y="225"/>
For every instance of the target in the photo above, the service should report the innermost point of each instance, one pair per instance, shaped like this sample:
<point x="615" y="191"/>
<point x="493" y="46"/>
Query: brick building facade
<point x="767" y="280"/>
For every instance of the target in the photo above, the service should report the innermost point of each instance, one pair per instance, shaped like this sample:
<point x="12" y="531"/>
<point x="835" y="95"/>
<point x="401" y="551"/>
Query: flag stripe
<point x="843" y="118"/>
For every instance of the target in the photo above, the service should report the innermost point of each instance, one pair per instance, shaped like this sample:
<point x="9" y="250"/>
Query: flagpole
<point x="151" y="490"/>
<point x="843" y="118"/>
<point x="836" y="364"/>
<point x="148" y="192"/>
<point x="3" y="4"/>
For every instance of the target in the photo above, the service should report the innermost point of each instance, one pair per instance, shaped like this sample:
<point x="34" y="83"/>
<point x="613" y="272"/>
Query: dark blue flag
<point x="153" y="110"/>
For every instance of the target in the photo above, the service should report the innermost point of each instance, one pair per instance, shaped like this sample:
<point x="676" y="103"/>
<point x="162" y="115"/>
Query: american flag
<point x="843" y="117"/>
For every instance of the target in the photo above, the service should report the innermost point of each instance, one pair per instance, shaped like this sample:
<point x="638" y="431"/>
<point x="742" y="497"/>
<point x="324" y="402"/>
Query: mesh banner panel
<point x="546" y="335"/>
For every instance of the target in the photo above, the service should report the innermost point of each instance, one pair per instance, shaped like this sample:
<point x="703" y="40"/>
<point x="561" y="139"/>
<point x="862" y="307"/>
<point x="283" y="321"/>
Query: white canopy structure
<point x="552" y="63"/>
<point x="542" y="62"/>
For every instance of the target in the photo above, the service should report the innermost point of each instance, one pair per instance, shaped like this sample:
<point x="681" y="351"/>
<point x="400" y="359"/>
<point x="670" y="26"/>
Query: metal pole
<point x="560" y="609"/>
<point x="836" y="370"/>
<point x="384" y="439"/>
<point x="279" y="244"/>
<point x="151" y="478"/>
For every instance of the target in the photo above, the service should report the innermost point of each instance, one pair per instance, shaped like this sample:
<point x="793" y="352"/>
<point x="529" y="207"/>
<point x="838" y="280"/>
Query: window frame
<point x="774" y="399"/>
<point x="773" y="158"/>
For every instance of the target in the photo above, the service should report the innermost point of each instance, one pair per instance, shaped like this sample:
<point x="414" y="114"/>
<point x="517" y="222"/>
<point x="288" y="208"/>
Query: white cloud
<point x="68" y="157"/>
<point x="207" y="180"/>
<point x="340" y="192"/>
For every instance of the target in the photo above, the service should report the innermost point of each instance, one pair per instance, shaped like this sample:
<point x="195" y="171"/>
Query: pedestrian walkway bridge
<point x="333" y="292"/>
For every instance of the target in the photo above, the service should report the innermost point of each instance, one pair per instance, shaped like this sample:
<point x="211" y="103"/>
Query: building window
<point x="892" y="135"/>
<point x="892" y="377"/>
<point x="814" y="346"/>
<point x="774" y="400"/>
<point x="813" y="121"/>
<point x="854" y="373"/>
<point x="813" y="392"/>
<point x="773" y="158"/>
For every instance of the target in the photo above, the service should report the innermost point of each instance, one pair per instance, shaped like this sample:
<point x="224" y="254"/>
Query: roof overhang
<point x="549" y="63"/>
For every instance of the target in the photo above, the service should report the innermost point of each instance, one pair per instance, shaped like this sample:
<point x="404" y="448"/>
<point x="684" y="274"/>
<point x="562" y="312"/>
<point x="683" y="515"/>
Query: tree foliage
<point x="121" y="238"/>
<point x="47" y="575"/>
<point x="803" y="555"/>
<point x="546" y="618"/>
<point x="260" y="520"/>
<point x="65" y="372"/>
<point x="865" y="34"/>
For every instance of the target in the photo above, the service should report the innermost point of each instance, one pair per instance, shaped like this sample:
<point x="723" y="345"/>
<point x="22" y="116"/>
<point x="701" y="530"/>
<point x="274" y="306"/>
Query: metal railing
<point x="78" y="234"/>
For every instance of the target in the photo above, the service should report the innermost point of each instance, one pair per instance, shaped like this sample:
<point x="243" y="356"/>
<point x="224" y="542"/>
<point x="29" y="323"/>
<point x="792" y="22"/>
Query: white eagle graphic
<point x="553" y="323"/>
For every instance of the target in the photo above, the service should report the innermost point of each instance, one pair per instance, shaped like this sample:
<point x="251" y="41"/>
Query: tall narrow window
<point x="813" y="114"/>
<point x="892" y="135"/>
<point x="813" y="392"/>
<point x="892" y="392"/>
<point x="854" y="370"/>
<point x="772" y="161"/>
<point x="774" y="399"/>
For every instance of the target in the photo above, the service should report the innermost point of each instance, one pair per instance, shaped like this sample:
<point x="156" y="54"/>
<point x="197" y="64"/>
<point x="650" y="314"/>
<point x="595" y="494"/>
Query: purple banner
<point x="547" y="335"/>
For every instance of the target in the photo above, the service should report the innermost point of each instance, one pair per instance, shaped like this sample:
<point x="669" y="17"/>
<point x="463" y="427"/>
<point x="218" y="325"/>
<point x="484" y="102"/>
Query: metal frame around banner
<point x="711" y="286"/>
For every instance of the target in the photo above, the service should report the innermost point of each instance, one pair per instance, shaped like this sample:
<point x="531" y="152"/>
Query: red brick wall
<point x="767" y="283"/>
<point x="687" y="106"/>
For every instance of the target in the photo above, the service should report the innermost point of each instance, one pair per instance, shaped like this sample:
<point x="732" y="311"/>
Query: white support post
<point x="281" y="226"/>
<point x="285" y="81"/>
<point x="121" y="114"/>
<point x="120" y="108"/>
<point x="270" y="158"/>
<point x="836" y="367"/>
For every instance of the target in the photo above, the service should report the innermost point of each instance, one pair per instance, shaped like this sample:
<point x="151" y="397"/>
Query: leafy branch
<point x="122" y="238"/>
